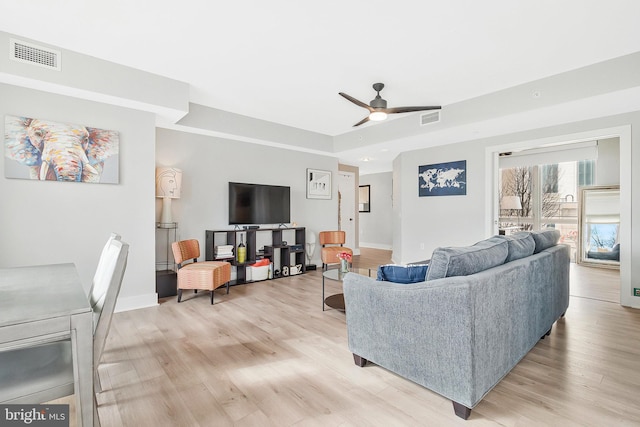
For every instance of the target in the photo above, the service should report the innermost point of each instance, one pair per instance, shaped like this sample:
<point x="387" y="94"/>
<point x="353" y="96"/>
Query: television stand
<point x="279" y="253"/>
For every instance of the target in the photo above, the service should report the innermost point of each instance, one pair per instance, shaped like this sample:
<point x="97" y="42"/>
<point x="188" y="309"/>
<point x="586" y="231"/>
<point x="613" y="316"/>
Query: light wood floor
<point x="267" y="355"/>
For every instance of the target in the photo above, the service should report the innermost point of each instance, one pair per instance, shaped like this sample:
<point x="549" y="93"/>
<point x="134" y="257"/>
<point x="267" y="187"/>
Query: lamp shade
<point x="168" y="182"/>
<point x="510" y="202"/>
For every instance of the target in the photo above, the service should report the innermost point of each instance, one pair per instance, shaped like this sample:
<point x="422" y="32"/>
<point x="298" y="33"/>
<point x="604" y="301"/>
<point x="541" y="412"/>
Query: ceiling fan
<point x="378" y="107"/>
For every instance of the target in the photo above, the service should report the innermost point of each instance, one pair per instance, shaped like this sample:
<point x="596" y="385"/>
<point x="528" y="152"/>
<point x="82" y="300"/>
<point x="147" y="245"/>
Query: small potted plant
<point x="345" y="259"/>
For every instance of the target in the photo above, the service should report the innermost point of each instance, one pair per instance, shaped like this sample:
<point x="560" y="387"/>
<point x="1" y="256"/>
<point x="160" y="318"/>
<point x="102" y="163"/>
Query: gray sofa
<point x="477" y="314"/>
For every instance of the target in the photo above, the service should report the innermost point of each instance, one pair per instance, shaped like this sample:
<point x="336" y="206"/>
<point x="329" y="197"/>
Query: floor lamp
<point x="512" y="203"/>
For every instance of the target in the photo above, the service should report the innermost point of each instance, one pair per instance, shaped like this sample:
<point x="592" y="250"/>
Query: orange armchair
<point x="332" y="244"/>
<point x="207" y="275"/>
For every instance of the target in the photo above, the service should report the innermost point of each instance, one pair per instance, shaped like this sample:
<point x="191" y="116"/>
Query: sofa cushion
<point x="412" y="273"/>
<point x="520" y="245"/>
<point x="545" y="239"/>
<point x="448" y="262"/>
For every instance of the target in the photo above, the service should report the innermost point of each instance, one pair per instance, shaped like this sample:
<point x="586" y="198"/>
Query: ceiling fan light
<point x="377" y="116"/>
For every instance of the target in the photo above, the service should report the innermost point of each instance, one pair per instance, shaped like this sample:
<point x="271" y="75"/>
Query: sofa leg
<point x="547" y="333"/>
<point x="562" y="315"/>
<point x="360" y="361"/>
<point x="179" y="295"/>
<point x="461" y="410"/>
<point x="211" y="296"/>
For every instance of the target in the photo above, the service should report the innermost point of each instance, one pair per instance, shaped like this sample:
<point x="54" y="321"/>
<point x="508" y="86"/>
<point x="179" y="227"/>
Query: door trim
<point x="624" y="134"/>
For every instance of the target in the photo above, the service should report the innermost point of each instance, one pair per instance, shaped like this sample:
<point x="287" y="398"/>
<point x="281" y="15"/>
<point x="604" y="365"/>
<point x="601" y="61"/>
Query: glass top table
<point x="336" y="301"/>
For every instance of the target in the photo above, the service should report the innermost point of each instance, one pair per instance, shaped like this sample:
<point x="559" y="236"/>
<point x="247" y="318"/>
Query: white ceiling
<point x="285" y="61"/>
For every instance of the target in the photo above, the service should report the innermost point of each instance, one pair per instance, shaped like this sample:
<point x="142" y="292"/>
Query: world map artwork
<point x="443" y="179"/>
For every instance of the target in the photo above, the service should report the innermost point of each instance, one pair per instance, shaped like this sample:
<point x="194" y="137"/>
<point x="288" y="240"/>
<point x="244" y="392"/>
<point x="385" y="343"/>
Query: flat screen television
<point x="258" y="204"/>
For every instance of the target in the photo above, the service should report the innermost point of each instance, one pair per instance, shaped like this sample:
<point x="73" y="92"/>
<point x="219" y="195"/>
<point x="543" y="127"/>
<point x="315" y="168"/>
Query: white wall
<point x="208" y="164"/>
<point x="43" y="222"/>
<point x="463" y="220"/>
<point x="376" y="227"/>
<point x="429" y="222"/>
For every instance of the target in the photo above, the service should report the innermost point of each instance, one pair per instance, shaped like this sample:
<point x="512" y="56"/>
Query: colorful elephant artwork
<point x="46" y="150"/>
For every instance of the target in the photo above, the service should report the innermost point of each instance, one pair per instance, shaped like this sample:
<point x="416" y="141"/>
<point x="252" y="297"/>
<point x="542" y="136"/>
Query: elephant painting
<point x="59" y="151"/>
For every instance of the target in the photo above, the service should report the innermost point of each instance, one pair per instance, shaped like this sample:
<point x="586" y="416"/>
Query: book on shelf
<point x="223" y="251"/>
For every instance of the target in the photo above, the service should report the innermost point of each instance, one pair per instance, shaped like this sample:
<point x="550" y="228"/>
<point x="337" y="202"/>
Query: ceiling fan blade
<point x="396" y="110"/>
<point x="355" y="101"/>
<point x="365" y="120"/>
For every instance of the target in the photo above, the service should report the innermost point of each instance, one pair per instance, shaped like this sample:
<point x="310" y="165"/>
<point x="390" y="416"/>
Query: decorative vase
<point x="242" y="251"/>
<point x="344" y="266"/>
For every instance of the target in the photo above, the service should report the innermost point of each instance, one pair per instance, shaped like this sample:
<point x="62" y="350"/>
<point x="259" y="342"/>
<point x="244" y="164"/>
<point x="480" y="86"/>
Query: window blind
<point x="551" y="155"/>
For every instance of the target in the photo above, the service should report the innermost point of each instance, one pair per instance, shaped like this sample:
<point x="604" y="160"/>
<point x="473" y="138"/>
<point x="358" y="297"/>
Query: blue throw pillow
<point x="413" y="273"/>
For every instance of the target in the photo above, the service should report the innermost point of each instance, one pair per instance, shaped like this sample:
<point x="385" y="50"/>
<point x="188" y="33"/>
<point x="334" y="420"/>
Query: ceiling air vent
<point x="33" y="54"/>
<point x="429" y="118"/>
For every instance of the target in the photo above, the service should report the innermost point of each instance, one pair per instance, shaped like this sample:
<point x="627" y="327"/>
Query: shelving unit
<point x="278" y="252"/>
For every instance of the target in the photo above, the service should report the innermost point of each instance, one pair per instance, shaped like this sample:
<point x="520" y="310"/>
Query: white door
<point x="347" y="207"/>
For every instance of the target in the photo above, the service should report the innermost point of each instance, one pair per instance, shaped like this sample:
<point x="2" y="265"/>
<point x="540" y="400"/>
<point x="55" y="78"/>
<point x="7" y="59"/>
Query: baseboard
<point x="375" y="246"/>
<point x="136" y="302"/>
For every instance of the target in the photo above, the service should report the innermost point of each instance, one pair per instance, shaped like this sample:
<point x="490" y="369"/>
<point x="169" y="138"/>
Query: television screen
<point x="258" y="204"/>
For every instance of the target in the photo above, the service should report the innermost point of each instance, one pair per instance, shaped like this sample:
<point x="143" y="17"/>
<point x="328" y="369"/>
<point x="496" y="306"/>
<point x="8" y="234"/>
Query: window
<point x="585" y="173"/>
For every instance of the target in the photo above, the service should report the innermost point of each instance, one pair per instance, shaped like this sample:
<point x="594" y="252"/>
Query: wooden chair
<point x="332" y="244"/>
<point x="43" y="371"/>
<point x="207" y="275"/>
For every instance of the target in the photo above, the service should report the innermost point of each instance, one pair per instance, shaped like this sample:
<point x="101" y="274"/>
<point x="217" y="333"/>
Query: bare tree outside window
<point x="550" y="197"/>
<point x="518" y="181"/>
<point x="603" y="235"/>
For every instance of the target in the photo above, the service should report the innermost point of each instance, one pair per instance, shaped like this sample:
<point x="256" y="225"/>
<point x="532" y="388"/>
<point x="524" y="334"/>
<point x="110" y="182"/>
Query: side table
<point x="337" y="301"/>
<point x="166" y="276"/>
<point x="166" y="283"/>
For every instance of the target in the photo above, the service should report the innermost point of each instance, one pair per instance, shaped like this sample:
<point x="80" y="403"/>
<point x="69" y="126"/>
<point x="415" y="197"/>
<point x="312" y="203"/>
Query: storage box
<point x="257" y="273"/>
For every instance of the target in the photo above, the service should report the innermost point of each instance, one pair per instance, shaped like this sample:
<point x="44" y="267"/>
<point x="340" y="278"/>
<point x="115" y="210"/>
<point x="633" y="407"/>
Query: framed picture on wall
<point x="45" y="150"/>
<point x="318" y="184"/>
<point x="443" y="179"/>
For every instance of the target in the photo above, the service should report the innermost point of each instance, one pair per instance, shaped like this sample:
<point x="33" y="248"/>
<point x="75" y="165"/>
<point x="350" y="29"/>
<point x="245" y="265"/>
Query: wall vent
<point x="429" y="118"/>
<point x="33" y="54"/>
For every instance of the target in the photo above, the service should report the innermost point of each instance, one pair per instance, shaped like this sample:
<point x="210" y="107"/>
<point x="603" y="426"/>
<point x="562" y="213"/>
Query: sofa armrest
<point x="421" y="331"/>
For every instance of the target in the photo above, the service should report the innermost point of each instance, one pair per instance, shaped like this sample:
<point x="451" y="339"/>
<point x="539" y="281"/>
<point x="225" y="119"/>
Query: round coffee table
<point x="337" y="301"/>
